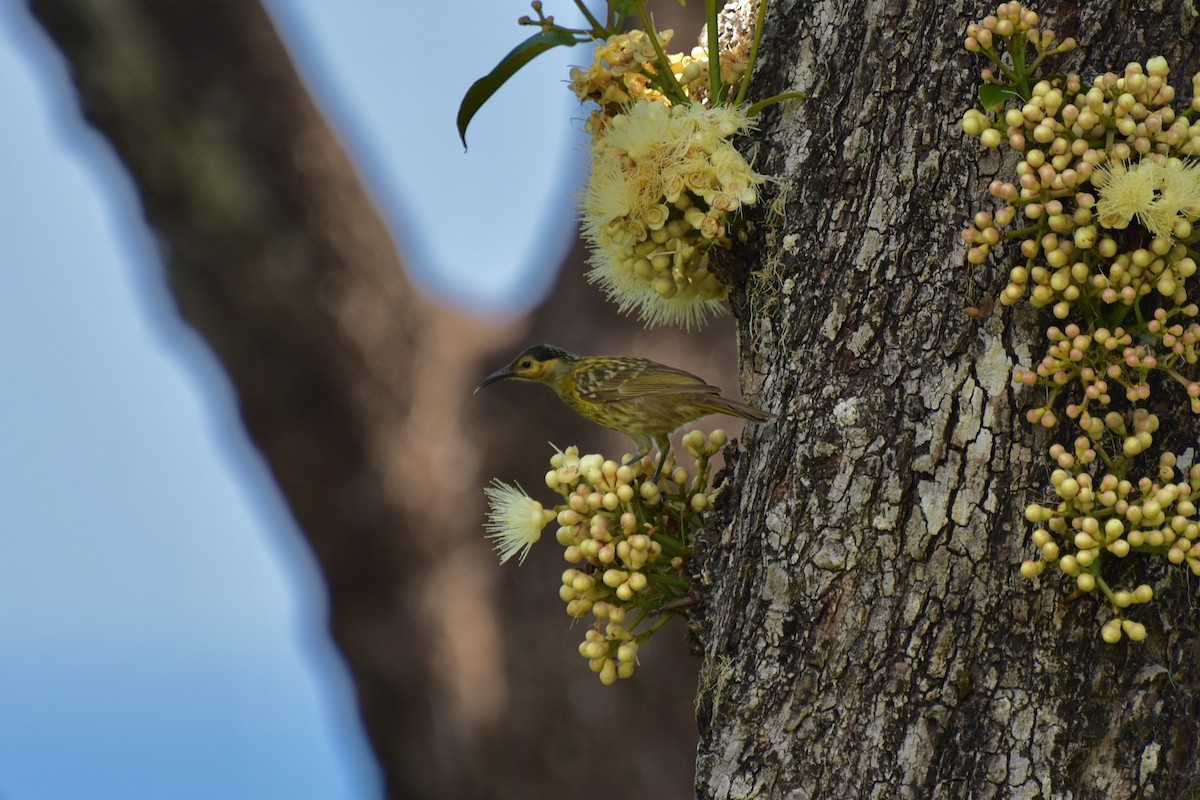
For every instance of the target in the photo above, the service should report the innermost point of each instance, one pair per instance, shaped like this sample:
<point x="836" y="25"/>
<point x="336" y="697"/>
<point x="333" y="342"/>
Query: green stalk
<point x="1119" y="315"/>
<point x="994" y="57"/>
<point x="1016" y="50"/>
<point x="658" y="623"/>
<point x="1019" y="233"/>
<point x="598" y="30"/>
<point x="1103" y="586"/>
<point x="714" y="52"/>
<point x="668" y="581"/>
<point x="1150" y="549"/>
<point x="666" y="79"/>
<point x="671" y="546"/>
<point x="642" y="613"/>
<point x="756" y="108"/>
<point x="744" y="89"/>
<point x="1109" y="464"/>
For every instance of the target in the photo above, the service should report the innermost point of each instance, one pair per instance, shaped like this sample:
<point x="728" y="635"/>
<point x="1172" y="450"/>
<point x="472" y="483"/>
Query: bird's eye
<point x="526" y="364"/>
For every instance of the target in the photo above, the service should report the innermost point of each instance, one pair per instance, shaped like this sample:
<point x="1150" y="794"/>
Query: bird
<point x="640" y="398"/>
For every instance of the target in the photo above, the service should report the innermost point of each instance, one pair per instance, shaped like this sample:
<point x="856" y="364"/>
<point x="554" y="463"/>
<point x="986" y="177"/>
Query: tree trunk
<point x="866" y="633"/>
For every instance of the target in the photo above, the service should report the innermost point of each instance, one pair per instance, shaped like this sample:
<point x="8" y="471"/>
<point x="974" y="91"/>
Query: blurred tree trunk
<point x="276" y="256"/>
<point x="467" y="674"/>
<point x="866" y="632"/>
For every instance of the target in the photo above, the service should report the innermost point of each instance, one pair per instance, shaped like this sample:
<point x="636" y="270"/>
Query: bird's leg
<point x="642" y="446"/>
<point x="636" y="457"/>
<point x="662" y="461"/>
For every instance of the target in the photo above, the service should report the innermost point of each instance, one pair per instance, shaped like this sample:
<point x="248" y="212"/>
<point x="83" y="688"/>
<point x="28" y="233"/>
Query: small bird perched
<point x="642" y="399"/>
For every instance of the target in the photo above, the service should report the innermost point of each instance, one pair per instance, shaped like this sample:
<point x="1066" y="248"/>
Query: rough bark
<point x="867" y="633"/>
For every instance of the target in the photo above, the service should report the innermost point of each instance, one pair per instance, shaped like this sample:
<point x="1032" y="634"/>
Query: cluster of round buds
<point x="1111" y="518"/>
<point x="1105" y="360"/>
<point x="611" y="654"/>
<point x="1129" y="276"/>
<point x="692" y="70"/>
<point x="1095" y="162"/>
<point x="1103" y="205"/>
<point x="664" y="184"/>
<point x="621" y="534"/>
<point x="624" y="536"/>
<point x="610" y="646"/>
<point x="1177" y="345"/>
<point x="1099" y="361"/>
<point x="1059" y="270"/>
<point x="1010" y="19"/>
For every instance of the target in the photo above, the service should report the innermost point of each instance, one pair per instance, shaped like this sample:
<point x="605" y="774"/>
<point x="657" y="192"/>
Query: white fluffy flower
<point x="515" y="520"/>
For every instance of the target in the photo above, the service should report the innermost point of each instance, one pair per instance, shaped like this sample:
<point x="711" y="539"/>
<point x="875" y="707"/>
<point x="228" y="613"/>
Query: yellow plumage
<point x="643" y="399"/>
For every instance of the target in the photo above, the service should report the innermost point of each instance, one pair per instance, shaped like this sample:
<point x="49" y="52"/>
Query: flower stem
<point x="754" y="109"/>
<point x="598" y="30"/>
<point x="658" y="623"/>
<point x="666" y="78"/>
<point x="714" y="52"/>
<point x="744" y="89"/>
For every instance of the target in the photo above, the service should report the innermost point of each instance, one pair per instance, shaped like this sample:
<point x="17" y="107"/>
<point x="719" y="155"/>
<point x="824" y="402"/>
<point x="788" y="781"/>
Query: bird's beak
<point x="498" y="375"/>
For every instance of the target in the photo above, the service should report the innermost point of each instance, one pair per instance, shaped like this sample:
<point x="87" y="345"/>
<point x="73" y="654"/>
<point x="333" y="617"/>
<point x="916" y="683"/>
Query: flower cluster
<point x="1102" y="208"/>
<point x="1077" y="188"/>
<point x="625" y="538"/>
<point x="666" y="181"/>
<point x="1102" y="358"/>
<point x="624" y="69"/>
<point x="1113" y="517"/>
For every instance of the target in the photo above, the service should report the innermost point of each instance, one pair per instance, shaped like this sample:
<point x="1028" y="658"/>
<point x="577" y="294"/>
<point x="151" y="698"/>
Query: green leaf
<point x="992" y="95"/>
<point x="482" y="89"/>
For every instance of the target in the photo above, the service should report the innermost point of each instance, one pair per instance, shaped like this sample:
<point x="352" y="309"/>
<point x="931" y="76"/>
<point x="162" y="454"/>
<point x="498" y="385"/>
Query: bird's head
<point x="541" y="362"/>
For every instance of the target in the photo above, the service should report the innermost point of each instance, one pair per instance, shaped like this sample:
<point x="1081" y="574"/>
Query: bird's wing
<point x="638" y="377"/>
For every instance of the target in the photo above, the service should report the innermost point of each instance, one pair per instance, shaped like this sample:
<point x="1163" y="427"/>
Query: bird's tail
<point x="736" y="408"/>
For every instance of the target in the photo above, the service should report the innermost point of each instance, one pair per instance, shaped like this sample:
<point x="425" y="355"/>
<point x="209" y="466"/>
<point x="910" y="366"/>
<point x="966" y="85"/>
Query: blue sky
<point x="162" y="629"/>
